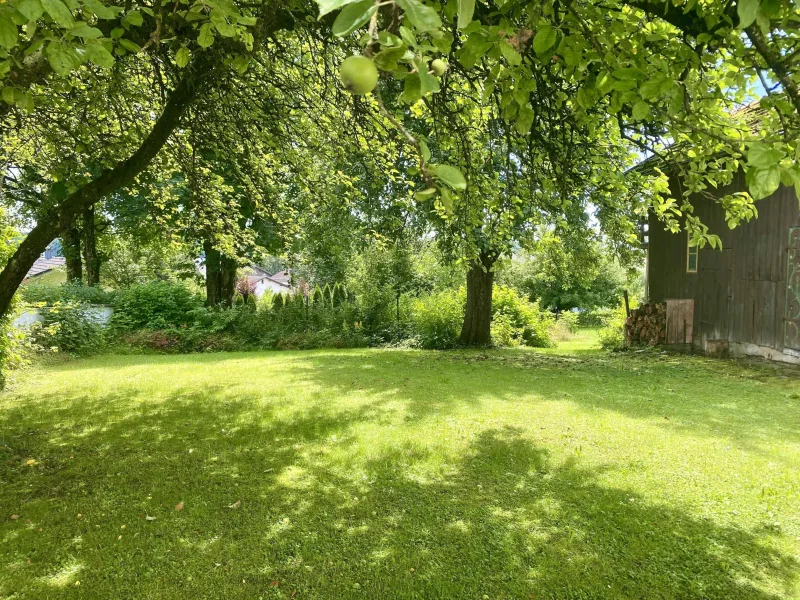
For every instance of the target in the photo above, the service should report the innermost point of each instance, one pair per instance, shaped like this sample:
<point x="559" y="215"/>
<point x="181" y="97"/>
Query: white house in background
<point x="279" y="283"/>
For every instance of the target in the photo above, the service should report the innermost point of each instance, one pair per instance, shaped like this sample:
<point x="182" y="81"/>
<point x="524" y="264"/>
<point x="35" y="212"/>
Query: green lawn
<point x="566" y="473"/>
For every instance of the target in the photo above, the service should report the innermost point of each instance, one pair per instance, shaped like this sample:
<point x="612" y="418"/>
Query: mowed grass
<point x="566" y="473"/>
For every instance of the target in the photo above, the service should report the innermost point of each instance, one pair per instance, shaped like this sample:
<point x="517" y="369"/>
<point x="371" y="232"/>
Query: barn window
<point x="691" y="255"/>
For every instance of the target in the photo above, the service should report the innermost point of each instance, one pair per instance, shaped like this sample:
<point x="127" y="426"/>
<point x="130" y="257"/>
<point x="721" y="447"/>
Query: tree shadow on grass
<point x="719" y="399"/>
<point x="502" y="520"/>
<point x="509" y="524"/>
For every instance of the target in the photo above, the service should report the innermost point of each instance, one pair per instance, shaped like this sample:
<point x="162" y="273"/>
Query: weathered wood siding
<point x="740" y="291"/>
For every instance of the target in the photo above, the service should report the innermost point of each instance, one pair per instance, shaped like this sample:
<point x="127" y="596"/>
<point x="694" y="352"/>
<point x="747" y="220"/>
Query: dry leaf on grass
<point x="235" y="505"/>
<point x="179" y="505"/>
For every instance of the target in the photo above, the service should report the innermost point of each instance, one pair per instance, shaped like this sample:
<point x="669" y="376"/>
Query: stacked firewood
<point x="647" y="325"/>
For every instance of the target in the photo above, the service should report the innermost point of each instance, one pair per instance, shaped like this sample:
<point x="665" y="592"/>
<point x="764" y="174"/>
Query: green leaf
<point x="651" y="88"/>
<point x="449" y="175"/>
<point x="584" y="98"/>
<point x="444" y="43"/>
<point x="475" y="47"/>
<point x="447" y="200"/>
<point x="8" y="31"/>
<point x="59" y="58"/>
<point x="102" y="11"/>
<point x="427" y="82"/>
<point x="31" y="9"/>
<point x="762" y="156"/>
<point x="641" y="110"/>
<point x="224" y="28"/>
<point x="424" y="18"/>
<point x="763" y="23"/>
<point x="387" y="59"/>
<point x="389" y="39"/>
<point x="134" y="18"/>
<point x="8" y="97"/>
<point x="206" y="36"/>
<point x="524" y="120"/>
<point x="629" y="73"/>
<point x="219" y="18"/>
<point x="353" y="17"/>
<point x="426" y="152"/>
<point x="466" y="8"/>
<point x="763" y="182"/>
<point x="182" y="57"/>
<point x="98" y="54"/>
<point x="129" y="45"/>
<point x="82" y="30"/>
<point x="241" y="64"/>
<point x="407" y="36"/>
<point x="59" y="12"/>
<point x="326" y="6"/>
<point x="426" y="194"/>
<point x="412" y="89"/>
<point x="544" y="39"/>
<point x="513" y="58"/>
<point x="747" y="11"/>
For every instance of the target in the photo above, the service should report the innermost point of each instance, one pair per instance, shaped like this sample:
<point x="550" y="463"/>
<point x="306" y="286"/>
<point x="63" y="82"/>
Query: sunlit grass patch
<point x="564" y="473"/>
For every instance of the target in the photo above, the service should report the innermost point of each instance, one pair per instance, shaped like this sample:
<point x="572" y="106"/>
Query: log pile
<point x="647" y="325"/>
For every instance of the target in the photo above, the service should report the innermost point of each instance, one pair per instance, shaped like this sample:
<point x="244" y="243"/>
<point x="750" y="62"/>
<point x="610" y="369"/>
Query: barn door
<point x="791" y="324"/>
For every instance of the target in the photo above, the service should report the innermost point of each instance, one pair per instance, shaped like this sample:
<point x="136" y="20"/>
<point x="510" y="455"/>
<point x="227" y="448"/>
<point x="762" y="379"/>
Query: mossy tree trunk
<point x="220" y="276"/>
<point x="90" y="257"/>
<point x="476" y="330"/>
<point x="71" y="247"/>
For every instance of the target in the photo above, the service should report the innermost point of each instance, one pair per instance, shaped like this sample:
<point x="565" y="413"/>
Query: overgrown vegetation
<point x="168" y="317"/>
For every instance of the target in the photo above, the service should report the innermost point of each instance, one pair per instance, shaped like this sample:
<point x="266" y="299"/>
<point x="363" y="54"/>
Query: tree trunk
<point x="213" y="293"/>
<point x="220" y="277"/>
<point x="71" y="247"/>
<point x="90" y="257"/>
<point x="227" y="282"/>
<point x="59" y="218"/>
<point x="476" y="330"/>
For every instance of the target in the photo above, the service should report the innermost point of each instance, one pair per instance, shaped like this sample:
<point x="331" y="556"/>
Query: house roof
<point x="43" y="265"/>
<point x="254" y="278"/>
<point x="283" y="277"/>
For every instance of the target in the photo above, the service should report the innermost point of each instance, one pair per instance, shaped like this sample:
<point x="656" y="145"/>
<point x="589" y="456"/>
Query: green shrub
<point x="594" y="318"/>
<point x="612" y="335"/>
<point x="74" y="292"/>
<point x="14" y="346"/>
<point x="436" y="319"/>
<point x="322" y="339"/>
<point x="155" y="306"/>
<point x="505" y="331"/>
<point x="565" y="326"/>
<point x="517" y="321"/>
<point x="68" y="327"/>
<point x="186" y="340"/>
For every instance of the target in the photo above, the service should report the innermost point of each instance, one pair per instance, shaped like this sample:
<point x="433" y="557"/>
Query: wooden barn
<point x="743" y="299"/>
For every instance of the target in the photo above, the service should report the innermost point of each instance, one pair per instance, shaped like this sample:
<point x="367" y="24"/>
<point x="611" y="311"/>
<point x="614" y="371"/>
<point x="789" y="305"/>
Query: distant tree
<point x="565" y="274"/>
